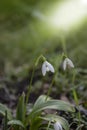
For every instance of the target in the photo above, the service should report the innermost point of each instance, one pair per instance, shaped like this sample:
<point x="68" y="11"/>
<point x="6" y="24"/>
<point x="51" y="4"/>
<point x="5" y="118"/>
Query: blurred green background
<point x="27" y="32"/>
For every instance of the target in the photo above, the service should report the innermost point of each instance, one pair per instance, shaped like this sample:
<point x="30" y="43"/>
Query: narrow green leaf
<point x="3" y="109"/>
<point x="21" y="108"/>
<point x="53" y="104"/>
<point x="41" y="100"/>
<point x="16" y="122"/>
<point x="5" y="121"/>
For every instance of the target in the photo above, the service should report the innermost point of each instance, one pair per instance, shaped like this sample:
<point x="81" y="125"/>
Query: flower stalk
<point x="50" y="88"/>
<point x="75" y="96"/>
<point x="30" y="85"/>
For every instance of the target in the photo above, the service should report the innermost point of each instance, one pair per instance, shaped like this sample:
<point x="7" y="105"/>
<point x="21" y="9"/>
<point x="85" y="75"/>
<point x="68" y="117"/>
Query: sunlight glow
<point x="84" y="2"/>
<point x="69" y="14"/>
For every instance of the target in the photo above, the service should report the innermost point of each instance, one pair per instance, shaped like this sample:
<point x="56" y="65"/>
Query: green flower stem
<point x="63" y="44"/>
<point x="53" y="80"/>
<point x="38" y="59"/>
<point x="30" y="85"/>
<point x="50" y="87"/>
<point x="75" y="96"/>
<point x="74" y="91"/>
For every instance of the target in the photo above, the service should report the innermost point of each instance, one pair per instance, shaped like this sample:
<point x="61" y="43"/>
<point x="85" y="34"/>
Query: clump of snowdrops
<point x="34" y="118"/>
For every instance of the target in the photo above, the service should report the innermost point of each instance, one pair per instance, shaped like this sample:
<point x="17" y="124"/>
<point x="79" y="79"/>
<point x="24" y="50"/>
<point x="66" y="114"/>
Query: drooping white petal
<point x="51" y="68"/>
<point x="44" y="69"/>
<point x="67" y="64"/>
<point x="70" y="63"/>
<point x="64" y="64"/>
<point x="57" y="126"/>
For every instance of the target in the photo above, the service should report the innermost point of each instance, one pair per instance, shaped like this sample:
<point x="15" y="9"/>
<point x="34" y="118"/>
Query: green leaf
<point x="4" y="109"/>
<point x="55" y="118"/>
<point x="53" y="104"/>
<point x="21" y="108"/>
<point x="5" y="121"/>
<point x="41" y="100"/>
<point x="16" y="122"/>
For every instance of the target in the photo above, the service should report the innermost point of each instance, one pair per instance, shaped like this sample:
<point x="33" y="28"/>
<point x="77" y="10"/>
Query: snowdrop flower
<point x="57" y="126"/>
<point x="67" y="64"/>
<point x="46" y="67"/>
